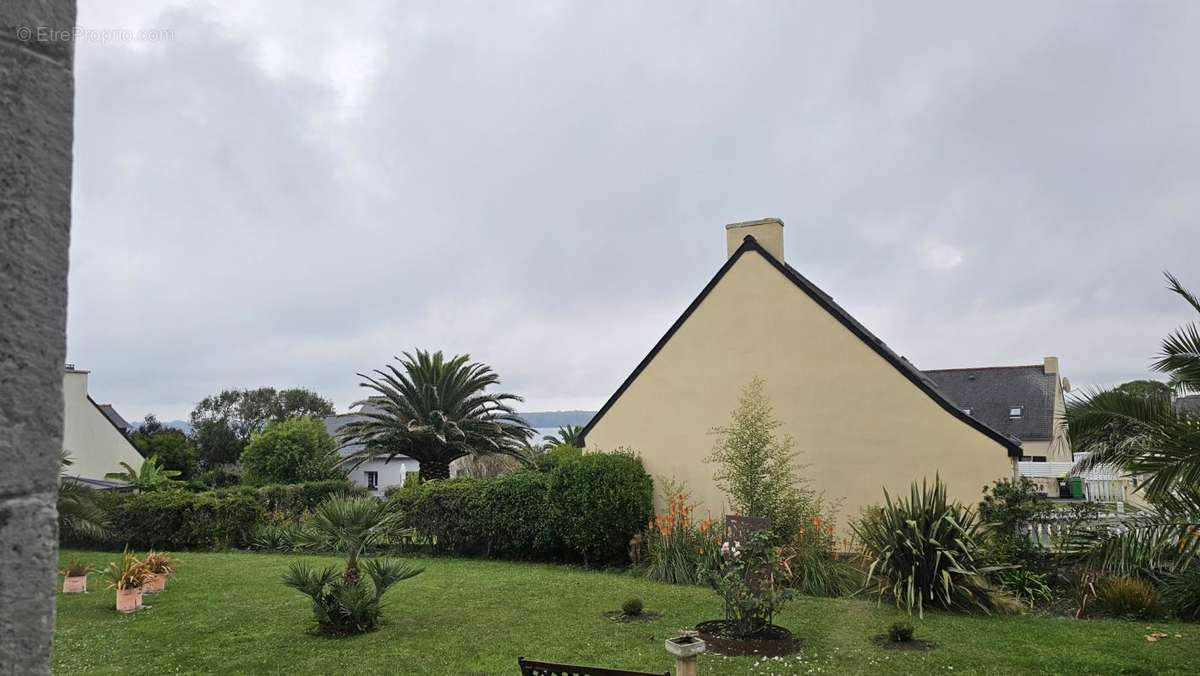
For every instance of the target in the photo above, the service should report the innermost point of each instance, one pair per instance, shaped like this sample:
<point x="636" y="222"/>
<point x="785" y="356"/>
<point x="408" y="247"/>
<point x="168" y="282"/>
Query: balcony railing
<point x="1100" y="484"/>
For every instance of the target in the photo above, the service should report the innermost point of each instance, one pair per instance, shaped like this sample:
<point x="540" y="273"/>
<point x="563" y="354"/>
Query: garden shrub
<point x="1127" y="597"/>
<point x="745" y="577"/>
<point x="597" y="502"/>
<point x="923" y="550"/>
<point x="297" y="499"/>
<point x="1181" y="593"/>
<point x="518" y="523"/>
<point x="900" y="632"/>
<point x="181" y="520"/>
<point x="450" y="511"/>
<point x="632" y="607"/>
<point x="586" y="508"/>
<point x="812" y="564"/>
<point x="677" y="549"/>
<point x="291" y="451"/>
<point x="546" y="462"/>
<point x="221" y="476"/>
<point x="1007" y="509"/>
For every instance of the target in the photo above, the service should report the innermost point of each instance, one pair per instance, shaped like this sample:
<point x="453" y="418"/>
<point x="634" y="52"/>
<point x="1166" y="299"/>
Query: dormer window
<point x="1015" y="412"/>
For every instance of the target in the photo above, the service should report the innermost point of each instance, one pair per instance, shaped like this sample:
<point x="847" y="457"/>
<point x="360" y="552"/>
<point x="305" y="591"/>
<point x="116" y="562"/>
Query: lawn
<point x="228" y="613"/>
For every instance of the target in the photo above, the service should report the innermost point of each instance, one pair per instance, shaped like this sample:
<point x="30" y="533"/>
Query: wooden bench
<point x="531" y="668"/>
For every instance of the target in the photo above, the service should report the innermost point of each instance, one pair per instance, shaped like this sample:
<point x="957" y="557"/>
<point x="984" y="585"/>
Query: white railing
<point x="1050" y="533"/>
<point x="1100" y="484"/>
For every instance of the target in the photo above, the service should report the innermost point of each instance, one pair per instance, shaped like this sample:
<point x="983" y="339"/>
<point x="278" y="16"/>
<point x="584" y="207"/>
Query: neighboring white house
<point x="91" y="434"/>
<point x="375" y="475"/>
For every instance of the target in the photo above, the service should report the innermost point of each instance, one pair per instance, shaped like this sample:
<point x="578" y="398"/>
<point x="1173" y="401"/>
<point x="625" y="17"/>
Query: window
<point x="1033" y="458"/>
<point x="372" y="480"/>
<point x="1015" y="412"/>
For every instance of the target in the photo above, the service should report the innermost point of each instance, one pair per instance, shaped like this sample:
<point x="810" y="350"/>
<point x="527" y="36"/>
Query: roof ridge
<point x="826" y="302"/>
<point x="985" y="368"/>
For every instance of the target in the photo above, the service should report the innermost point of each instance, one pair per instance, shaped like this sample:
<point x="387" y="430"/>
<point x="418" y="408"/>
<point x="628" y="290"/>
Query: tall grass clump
<point x="678" y="549"/>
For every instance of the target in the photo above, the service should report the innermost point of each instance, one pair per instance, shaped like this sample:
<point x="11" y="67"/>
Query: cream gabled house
<point x="91" y="434"/>
<point x="863" y="417"/>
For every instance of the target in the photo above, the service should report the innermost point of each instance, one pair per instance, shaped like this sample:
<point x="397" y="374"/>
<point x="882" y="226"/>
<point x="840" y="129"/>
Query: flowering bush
<point x="815" y="563"/>
<point x="678" y="549"/>
<point x="747" y="577"/>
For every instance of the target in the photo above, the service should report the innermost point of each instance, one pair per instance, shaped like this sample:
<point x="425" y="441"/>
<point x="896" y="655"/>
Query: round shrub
<point x="292" y="451"/>
<point x="900" y="632"/>
<point x="597" y="502"/>
<point x="632" y="607"/>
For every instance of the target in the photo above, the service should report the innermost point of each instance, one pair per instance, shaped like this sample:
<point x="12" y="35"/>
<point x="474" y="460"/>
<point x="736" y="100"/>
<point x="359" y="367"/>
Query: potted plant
<point x="75" y="577"/>
<point x="159" y="565"/>
<point x="127" y="577"/>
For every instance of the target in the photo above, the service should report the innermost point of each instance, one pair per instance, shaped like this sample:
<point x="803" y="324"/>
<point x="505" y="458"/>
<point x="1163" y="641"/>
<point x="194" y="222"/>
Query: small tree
<point x="291" y="451"/>
<point x="756" y="467"/>
<point x="1007" y="509"/>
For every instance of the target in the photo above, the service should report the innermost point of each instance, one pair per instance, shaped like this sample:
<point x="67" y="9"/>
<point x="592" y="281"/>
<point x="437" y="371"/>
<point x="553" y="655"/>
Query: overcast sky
<point x="289" y="194"/>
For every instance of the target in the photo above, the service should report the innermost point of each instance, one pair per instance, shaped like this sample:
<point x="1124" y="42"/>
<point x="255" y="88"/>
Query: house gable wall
<point x="858" y="422"/>
<point x="95" y="445"/>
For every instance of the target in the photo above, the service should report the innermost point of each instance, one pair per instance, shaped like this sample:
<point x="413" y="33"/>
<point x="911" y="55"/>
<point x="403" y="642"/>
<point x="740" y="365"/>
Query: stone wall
<point x="36" y="103"/>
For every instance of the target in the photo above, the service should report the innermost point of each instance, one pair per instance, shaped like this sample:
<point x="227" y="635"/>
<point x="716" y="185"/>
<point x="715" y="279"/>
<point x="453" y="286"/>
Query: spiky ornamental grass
<point x="922" y="551"/>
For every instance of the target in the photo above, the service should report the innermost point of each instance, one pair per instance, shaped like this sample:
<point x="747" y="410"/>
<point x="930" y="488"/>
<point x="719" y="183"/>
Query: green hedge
<point x="585" y="508"/>
<point x="181" y="520"/>
<point x="294" y="500"/>
<point x="598" y="502"/>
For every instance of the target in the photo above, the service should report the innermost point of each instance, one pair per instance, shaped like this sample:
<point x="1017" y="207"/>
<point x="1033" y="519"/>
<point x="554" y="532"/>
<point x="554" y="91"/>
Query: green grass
<point x="229" y="613"/>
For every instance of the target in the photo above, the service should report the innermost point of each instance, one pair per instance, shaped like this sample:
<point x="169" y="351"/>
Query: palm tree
<point x="151" y="476"/>
<point x="1147" y="435"/>
<point x="567" y="435"/>
<point x="351" y="525"/>
<point x="435" y="410"/>
<point x="78" y="514"/>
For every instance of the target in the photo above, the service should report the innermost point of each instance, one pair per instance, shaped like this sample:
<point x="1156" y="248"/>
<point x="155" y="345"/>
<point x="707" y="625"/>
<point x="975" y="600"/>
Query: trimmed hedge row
<point x="218" y="519"/>
<point x="180" y="520"/>
<point x="295" y="499"/>
<point x="584" y="508"/>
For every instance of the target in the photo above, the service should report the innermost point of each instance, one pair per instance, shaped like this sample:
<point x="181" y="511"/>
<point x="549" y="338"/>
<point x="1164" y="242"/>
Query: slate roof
<point x="334" y="423"/>
<point x="991" y="391"/>
<point x="901" y="364"/>
<point x="114" y="417"/>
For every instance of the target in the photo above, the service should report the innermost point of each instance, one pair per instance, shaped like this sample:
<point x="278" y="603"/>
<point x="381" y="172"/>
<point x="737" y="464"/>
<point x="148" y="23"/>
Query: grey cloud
<point x="544" y="186"/>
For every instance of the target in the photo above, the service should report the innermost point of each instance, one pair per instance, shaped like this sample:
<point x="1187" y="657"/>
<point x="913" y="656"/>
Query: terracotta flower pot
<point x="156" y="583"/>
<point x="75" y="585"/>
<point x="129" y="600"/>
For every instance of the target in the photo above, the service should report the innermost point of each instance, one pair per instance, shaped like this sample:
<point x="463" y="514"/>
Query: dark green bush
<point x="1181" y="591"/>
<point x="597" y="502"/>
<point x="553" y="457"/>
<point x="632" y="607"/>
<point x="900" y="632"/>
<point x="296" y="499"/>
<point x="181" y="520"/>
<point x="586" y="508"/>
<point x="221" y="476"/>
<point x="450" y="511"/>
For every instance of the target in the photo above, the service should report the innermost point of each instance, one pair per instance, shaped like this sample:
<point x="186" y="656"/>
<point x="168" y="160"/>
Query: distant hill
<point x="554" y="419"/>
<point x="540" y="419"/>
<point x="183" y="425"/>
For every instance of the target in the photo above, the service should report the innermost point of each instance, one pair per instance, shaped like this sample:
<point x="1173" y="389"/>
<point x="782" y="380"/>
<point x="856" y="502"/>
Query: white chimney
<point x="768" y="232"/>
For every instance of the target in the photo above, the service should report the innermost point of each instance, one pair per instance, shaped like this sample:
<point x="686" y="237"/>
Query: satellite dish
<point x="1066" y="384"/>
